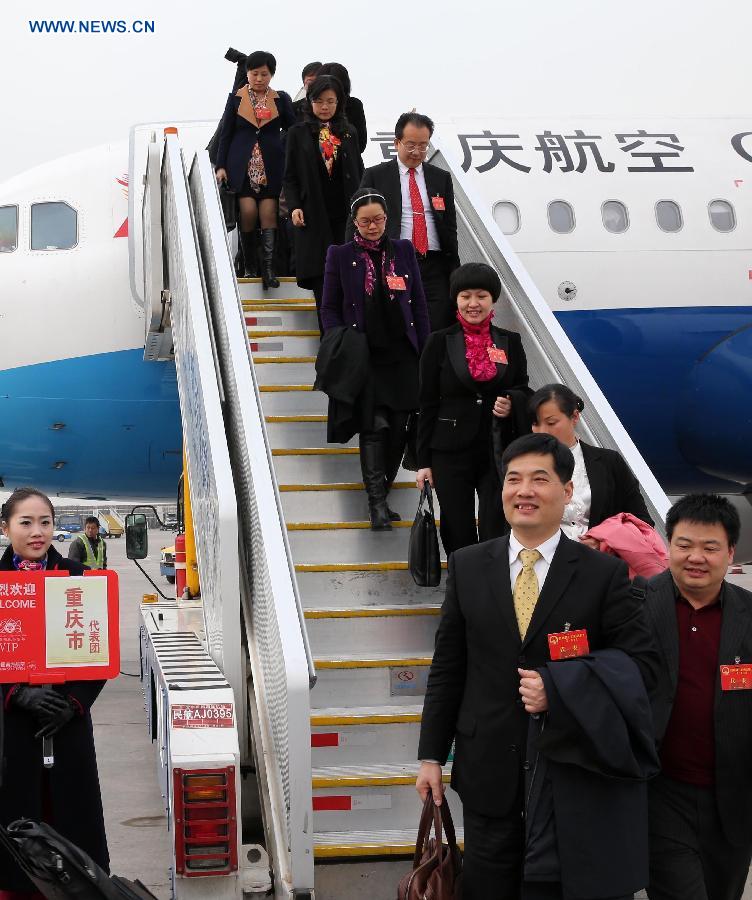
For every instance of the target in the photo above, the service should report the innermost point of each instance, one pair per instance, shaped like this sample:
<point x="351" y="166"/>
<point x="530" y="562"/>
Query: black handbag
<point x="423" y="559"/>
<point x="228" y="200"/>
<point x="60" y="870"/>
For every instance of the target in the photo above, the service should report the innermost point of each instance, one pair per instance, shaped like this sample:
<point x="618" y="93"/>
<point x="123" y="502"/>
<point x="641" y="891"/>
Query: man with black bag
<point x="509" y="602"/>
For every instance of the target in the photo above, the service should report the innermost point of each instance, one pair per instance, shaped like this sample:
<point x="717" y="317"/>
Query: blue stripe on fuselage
<point x="642" y="360"/>
<point x="121" y="436"/>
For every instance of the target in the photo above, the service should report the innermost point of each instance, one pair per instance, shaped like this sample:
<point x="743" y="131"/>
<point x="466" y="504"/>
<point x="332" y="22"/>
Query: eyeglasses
<point x="412" y="147"/>
<point x="376" y="220"/>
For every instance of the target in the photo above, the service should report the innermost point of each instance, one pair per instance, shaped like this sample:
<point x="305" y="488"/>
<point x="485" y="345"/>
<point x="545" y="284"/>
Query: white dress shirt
<point x="576" y="518"/>
<point x="406" y="228"/>
<point x="541" y="566"/>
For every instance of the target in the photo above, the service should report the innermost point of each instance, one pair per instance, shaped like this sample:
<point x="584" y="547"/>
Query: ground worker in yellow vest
<point x="89" y="548"/>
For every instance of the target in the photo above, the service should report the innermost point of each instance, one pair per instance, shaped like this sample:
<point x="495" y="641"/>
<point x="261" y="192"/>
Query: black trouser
<point x="690" y="858"/>
<point x="434" y="273"/>
<point x="457" y="476"/>
<point x="552" y="891"/>
<point x="494" y="851"/>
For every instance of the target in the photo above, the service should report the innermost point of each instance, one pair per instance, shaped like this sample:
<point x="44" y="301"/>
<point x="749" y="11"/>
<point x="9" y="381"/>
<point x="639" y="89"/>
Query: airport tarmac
<point x="134" y="813"/>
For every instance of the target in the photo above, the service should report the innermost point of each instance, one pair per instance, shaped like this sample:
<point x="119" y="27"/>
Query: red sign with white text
<point x="56" y="627"/>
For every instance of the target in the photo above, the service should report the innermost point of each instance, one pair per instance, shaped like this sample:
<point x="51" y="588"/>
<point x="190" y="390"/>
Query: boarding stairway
<point x="336" y="640"/>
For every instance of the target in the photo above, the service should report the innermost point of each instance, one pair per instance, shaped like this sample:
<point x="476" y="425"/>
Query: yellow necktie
<point x="526" y="590"/>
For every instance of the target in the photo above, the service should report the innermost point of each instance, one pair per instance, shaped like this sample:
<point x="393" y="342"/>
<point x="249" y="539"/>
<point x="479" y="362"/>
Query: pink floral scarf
<point x="477" y="342"/>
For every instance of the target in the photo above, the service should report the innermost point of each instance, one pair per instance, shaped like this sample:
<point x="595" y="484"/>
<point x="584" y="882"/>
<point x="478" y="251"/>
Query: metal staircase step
<point x="319" y="507"/>
<point x="284" y="343"/>
<point x="301" y="432"/>
<point x="372" y="679"/>
<point x="281" y="317"/>
<point x="378" y="796"/>
<point x="364" y="735"/>
<point x="358" y="844"/>
<point x="349" y="547"/>
<point x="326" y="468"/>
<point x="285" y="370"/>
<point x="293" y="400"/>
<point x="396" y="629"/>
<point x="356" y="586"/>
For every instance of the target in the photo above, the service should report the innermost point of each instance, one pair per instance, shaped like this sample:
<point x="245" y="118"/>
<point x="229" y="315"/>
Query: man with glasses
<point x="420" y="199"/>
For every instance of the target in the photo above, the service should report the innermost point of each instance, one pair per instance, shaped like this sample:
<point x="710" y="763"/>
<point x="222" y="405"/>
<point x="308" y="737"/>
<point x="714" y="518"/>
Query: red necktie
<point x="420" y="233"/>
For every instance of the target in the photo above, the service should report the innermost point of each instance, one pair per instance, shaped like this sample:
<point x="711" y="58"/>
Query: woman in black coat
<point x="322" y="171"/>
<point x="470" y="374"/>
<point x="251" y="158"/>
<point x="66" y="796"/>
<point x="354" y="112"/>
<point x="603" y="483"/>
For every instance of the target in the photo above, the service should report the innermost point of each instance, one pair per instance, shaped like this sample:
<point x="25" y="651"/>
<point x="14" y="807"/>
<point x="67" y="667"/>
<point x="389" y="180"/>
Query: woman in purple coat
<point x="373" y="284"/>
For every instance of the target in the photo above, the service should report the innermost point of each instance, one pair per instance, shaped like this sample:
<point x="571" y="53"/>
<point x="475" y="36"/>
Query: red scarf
<point x="477" y="342"/>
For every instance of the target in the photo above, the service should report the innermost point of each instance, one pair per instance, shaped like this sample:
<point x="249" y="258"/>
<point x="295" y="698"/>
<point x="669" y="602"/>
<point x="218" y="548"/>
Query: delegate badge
<point x="737" y="677"/>
<point x="396" y="283"/>
<point x="497" y="356"/>
<point x="262" y="113"/>
<point x="438" y="203"/>
<point x="568" y="644"/>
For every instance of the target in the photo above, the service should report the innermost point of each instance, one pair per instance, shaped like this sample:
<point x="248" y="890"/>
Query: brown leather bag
<point x="437" y="867"/>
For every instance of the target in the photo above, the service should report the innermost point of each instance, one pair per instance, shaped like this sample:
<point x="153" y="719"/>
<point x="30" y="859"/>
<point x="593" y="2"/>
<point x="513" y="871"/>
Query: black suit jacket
<point x="613" y="487"/>
<point x="385" y="180"/>
<point x="473" y="686"/>
<point x="453" y="406"/>
<point x="733" y="709"/>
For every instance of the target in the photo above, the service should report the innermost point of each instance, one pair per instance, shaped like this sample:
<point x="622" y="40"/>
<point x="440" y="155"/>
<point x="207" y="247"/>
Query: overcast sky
<point x="62" y="93"/>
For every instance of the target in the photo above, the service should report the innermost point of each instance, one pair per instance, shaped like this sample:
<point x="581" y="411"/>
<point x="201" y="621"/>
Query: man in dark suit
<point x="701" y="804"/>
<point x="420" y="199"/>
<point x="504" y="598"/>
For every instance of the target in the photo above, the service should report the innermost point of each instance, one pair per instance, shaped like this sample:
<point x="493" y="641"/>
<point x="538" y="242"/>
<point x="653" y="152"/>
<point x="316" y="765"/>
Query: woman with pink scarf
<point x="471" y="374"/>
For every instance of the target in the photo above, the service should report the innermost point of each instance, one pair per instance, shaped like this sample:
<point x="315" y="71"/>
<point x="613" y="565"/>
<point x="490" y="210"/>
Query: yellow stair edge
<point x="355" y="567"/>
<point x="287" y="279"/>
<point x="405" y="663"/>
<point x="255" y="306"/>
<point x="340" y="851"/>
<point x="255" y="333"/>
<point x="315" y="451"/>
<point x="282" y="388"/>
<point x="340" y="485"/>
<point x="312" y="418"/>
<point x="382" y="719"/>
<point x="345" y="781"/>
<point x="373" y="612"/>
<point x="340" y="526"/>
<point x="281" y="360"/>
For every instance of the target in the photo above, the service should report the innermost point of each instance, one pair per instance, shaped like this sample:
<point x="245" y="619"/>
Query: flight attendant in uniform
<point x="470" y="374"/>
<point x="67" y="796"/>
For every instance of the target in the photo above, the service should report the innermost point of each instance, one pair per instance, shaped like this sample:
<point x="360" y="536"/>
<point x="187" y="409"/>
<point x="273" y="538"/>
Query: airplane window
<point x="8" y="228"/>
<point x="54" y="226"/>
<point x="668" y="215"/>
<point x="615" y="216"/>
<point x="722" y="216"/>
<point x="560" y="216"/>
<point x="507" y="216"/>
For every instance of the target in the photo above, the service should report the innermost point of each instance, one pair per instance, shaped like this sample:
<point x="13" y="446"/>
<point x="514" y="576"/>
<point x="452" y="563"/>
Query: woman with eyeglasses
<point x="322" y="170"/>
<point x="372" y="284"/>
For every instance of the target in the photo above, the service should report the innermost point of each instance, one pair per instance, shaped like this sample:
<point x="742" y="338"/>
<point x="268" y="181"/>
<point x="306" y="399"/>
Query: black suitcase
<point x="60" y="870"/>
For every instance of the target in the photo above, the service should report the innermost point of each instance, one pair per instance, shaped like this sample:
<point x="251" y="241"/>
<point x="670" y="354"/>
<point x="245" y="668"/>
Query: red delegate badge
<point x="263" y="114"/>
<point x="438" y="203"/>
<point x="568" y="644"/>
<point x="736" y="677"/>
<point x="396" y="283"/>
<point x="497" y="356"/>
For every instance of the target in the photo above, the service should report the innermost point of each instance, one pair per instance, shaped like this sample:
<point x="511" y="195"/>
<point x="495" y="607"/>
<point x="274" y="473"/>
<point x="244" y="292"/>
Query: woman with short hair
<point x="67" y="796"/>
<point x="471" y="373"/>
<point x="251" y="158"/>
<point x="603" y="483"/>
<point x="372" y="285"/>
<point x="322" y="170"/>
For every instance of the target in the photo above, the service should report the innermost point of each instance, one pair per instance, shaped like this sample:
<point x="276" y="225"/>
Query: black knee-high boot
<point x="268" y="239"/>
<point x="248" y="243"/>
<point x="374" y="478"/>
<point x="395" y="438"/>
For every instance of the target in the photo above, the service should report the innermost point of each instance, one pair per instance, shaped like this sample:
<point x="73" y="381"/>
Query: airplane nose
<point x="714" y="413"/>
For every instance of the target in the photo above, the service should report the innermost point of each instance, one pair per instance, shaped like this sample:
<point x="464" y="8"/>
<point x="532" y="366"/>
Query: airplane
<point x="635" y="231"/>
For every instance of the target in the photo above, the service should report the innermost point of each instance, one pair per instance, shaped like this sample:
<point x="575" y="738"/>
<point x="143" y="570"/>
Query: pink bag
<point x="634" y="541"/>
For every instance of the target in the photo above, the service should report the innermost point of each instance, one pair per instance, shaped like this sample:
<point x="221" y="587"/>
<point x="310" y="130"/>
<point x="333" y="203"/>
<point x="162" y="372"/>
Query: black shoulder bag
<point x="423" y="558"/>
